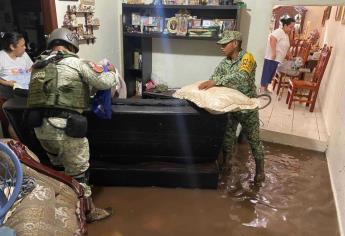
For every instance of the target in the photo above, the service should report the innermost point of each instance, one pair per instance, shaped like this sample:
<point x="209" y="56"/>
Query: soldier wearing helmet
<point x="58" y="94"/>
<point x="237" y="71"/>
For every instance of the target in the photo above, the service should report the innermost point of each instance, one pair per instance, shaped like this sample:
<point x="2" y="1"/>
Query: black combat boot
<point x="259" y="172"/>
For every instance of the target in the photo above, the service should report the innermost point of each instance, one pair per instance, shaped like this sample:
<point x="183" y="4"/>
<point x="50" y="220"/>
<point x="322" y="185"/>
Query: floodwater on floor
<point x="296" y="199"/>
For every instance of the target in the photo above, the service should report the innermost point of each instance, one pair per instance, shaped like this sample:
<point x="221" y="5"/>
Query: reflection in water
<point x="292" y="177"/>
<point x="296" y="199"/>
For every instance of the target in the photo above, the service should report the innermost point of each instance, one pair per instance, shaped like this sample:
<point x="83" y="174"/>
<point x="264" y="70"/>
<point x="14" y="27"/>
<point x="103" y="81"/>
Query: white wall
<point x="314" y="16"/>
<point x="332" y="97"/>
<point x="181" y="62"/>
<point x="108" y="41"/>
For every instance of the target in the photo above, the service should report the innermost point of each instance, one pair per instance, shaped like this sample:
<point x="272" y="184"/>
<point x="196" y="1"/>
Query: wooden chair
<point x="300" y="49"/>
<point x="297" y="87"/>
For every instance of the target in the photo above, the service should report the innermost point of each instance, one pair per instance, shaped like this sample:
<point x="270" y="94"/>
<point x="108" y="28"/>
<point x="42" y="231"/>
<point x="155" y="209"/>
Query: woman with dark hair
<point x="13" y="58"/>
<point x="277" y="47"/>
<point x="14" y="62"/>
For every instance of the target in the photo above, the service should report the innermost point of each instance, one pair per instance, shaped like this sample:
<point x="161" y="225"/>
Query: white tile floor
<point x="297" y="121"/>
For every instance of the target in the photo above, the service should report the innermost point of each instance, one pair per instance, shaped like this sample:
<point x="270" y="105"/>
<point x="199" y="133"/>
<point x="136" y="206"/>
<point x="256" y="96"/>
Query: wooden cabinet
<point x="143" y="22"/>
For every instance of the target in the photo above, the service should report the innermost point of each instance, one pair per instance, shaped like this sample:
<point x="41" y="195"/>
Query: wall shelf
<point x="137" y="37"/>
<point x="177" y="7"/>
<point x="168" y="36"/>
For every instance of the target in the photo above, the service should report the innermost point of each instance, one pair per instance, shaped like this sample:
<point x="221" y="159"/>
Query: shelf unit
<point x="87" y="28"/>
<point x="142" y="42"/>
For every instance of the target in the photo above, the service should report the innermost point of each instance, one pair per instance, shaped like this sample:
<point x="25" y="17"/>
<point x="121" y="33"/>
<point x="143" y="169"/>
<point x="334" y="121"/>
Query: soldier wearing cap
<point x="58" y="94"/>
<point x="237" y="71"/>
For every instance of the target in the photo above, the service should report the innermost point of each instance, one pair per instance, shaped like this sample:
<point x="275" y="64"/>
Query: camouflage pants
<point x="250" y="127"/>
<point x="71" y="153"/>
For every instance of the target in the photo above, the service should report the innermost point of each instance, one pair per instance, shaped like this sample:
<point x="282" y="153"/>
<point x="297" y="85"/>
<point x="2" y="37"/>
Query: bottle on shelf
<point x="138" y="87"/>
<point x="136" y="58"/>
<point x="140" y="61"/>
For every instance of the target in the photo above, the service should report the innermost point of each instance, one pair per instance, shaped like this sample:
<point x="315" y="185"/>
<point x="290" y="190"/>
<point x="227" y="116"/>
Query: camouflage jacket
<point x="72" y="67"/>
<point x="74" y="79"/>
<point x="69" y="69"/>
<point x="237" y="74"/>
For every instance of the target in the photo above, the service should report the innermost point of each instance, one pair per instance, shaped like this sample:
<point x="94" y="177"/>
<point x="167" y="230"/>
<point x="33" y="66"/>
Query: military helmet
<point x="65" y="35"/>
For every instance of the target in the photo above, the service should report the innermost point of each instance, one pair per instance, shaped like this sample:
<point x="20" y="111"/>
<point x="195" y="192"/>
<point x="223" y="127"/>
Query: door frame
<point x="49" y="15"/>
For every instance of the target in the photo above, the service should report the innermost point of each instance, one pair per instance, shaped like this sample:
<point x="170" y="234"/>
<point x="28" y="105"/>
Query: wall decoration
<point x="196" y="23"/>
<point x="339" y="13"/>
<point x="172" y="25"/>
<point x="136" y="18"/>
<point x="326" y="14"/>
<point x="182" y="26"/>
<point x="229" y="24"/>
<point x="343" y="17"/>
<point x="81" y="20"/>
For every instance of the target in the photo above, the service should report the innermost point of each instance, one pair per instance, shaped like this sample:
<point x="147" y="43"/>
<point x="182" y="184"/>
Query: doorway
<point x="310" y="26"/>
<point x="34" y="19"/>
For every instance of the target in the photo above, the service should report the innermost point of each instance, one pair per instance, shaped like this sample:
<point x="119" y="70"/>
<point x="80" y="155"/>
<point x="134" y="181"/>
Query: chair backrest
<point x="304" y="50"/>
<point x="294" y="47"/>
<point x="322" y="64"/>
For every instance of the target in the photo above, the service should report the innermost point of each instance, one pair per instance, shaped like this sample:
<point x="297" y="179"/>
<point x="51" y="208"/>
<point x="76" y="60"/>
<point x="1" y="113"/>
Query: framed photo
<point x="182" y="26"/>
<point x="207" y="23"/>
<point x="343" y="17"/>
<point x="326" y="14"/>
<point x="196" y="23"/>
<point x="172" y="25"/>
<point x="229" y="24"/>
<point x="339" y="13"/>
<point x="136" y="19"/>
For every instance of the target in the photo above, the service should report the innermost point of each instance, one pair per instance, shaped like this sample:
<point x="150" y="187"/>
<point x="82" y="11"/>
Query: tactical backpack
<point x="44" y="91"/>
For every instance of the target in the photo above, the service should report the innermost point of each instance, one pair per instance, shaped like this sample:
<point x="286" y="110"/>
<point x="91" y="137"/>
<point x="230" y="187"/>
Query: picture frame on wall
<point x="326" y="14"/>
<point x="339" y="13"/>
<point x="343" y="16"/>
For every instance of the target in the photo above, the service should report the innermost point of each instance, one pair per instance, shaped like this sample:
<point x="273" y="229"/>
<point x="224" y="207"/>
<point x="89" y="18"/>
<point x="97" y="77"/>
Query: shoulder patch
<point x="247" y="63"/>
<point x="95" y="67"/>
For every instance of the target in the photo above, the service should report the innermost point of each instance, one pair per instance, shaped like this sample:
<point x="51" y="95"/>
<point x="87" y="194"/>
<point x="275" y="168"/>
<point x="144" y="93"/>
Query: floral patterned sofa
<point x="56" y="205"/>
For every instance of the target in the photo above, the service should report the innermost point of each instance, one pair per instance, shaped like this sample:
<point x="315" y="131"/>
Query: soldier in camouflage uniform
<point x="237" y="71"/>
<point x="59" y="87"/>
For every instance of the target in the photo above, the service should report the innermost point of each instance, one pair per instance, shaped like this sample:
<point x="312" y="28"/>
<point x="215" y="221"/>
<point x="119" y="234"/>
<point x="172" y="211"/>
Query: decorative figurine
<point x="73" y="8"/>
<point x="89" y="19"/>
<point x="74" y="21"/>
<point x="66" y="20"/>
<point x="80" y="31"/>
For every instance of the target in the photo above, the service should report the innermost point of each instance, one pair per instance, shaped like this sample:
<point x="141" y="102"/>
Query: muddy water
<point x="296" y="199"/>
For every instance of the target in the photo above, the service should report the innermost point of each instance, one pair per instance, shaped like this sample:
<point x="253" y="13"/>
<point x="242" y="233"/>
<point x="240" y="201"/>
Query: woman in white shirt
<point x="278" y="45"/>
<point x="14" y="62"/>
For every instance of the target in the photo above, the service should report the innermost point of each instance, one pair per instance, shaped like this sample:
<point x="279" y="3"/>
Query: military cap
<point x="228" y="36"/>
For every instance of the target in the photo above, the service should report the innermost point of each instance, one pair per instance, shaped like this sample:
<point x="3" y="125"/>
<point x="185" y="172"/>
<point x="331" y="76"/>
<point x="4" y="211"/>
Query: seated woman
<point x="14" y="61"/>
